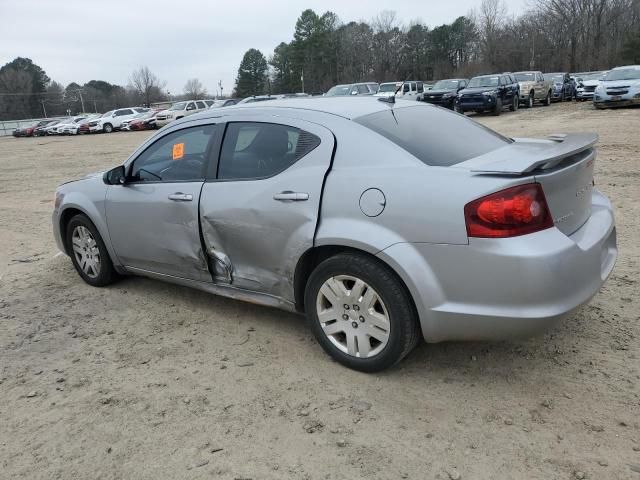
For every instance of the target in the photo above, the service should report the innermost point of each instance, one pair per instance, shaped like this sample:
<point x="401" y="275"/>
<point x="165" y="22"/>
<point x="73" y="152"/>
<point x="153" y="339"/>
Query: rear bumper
<point x="494" y="289"/>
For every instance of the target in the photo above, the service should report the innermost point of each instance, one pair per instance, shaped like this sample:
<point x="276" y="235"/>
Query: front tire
<point x="514" y="103"/>
<point x="107" y="128"/>
<point x="530" y="100"/>
<point x="89" y="253"/>
<point x="497" y="108"/>
<point x="360" y="312"/>
<point x="547" y="100"/>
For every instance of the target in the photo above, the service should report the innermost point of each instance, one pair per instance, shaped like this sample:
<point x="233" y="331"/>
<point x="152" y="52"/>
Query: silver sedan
<point x="382" y="222"/>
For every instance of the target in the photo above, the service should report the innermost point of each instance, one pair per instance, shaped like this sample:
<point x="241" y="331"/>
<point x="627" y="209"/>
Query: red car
<point x="145" y="121"/>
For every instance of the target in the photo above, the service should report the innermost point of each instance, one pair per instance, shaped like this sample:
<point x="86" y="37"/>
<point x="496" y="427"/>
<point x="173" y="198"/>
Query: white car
<point x="72" y="127"/>
<point x="53" y="128"/>
<point x="180" y="110"/>
<point x="411" y="90"/>
<point x="113" y="119"/>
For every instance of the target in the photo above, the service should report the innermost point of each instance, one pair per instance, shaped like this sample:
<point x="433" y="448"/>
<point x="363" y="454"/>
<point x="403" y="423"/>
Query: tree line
<point x="27" y="92"/>
<point x="552" y="35"/>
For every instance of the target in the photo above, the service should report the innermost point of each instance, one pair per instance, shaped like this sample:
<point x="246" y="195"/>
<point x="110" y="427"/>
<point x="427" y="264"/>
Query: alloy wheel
<point x="353" y="316"/>
<point x="86" y="251"/>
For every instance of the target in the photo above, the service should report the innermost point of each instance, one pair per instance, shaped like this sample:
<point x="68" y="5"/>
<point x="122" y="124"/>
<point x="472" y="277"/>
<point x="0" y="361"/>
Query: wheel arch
<point x="316" y="255"/>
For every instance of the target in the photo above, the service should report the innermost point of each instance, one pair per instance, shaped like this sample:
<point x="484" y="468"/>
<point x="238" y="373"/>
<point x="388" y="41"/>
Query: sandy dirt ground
<point x="145" y="380"/>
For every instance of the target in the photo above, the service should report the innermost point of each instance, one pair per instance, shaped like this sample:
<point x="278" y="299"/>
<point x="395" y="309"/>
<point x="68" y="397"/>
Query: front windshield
<point x="446" y="85"/>
<point x="178" y="106"/>
<point x="484" y="82"/>
<point x="108" y="114"/>
<point x="387" y="87"/>
<point x="591" y="76"/>
<point x="525" y="77"/>
<point x="623" y="74"/>
<point x="338" y="90"/>
<point x="554" y="77"/>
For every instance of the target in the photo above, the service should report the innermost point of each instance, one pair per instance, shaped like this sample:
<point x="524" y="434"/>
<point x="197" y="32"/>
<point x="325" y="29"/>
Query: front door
<point x="153" y="218"/>
<point x="260" y="214"/>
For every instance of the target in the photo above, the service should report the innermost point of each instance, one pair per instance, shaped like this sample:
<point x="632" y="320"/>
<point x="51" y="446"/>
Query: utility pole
<point x="81" y="100"/>
<point x="220" y="85"/>
<point x="44" y="109"/>
<point x="302" y="79"/>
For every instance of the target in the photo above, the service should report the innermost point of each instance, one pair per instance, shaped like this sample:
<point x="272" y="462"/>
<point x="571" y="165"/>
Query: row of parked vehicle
<point x="617" y="87"/>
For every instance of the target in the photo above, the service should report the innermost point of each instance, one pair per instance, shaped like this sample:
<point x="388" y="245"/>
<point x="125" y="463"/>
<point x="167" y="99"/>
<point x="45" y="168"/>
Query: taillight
<point x="508" y="213"/>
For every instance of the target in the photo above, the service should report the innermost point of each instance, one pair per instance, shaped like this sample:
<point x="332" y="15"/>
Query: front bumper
<point x="476" y="102"/>
<point x="163" y="122"/>
<point x="604" y="100"/>
<point x="494" y="289"/>
<point x="440" y="100"/>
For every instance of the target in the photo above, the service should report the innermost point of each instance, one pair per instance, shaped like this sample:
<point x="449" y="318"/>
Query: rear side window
<point x="435" y="136"/>
<point x="252" y="150"/>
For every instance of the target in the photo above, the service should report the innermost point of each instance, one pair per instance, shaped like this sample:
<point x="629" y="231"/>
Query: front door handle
<point x="289" y="196"/>
<point x="181" y="197"/>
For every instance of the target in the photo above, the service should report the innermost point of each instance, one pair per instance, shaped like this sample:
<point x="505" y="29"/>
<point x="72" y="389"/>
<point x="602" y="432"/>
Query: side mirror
<point x="113" y="114"/>
<point x="115" y="176"/>
<point x="354" y="92"/>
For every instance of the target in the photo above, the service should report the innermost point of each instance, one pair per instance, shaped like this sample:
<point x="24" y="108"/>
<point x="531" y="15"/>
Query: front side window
<point x="259" y="150"/>
<point x="178" y="156"/>
<point x="362" y="89"/>
<point x="201" y="105"/>
<point x="121" y="113"/>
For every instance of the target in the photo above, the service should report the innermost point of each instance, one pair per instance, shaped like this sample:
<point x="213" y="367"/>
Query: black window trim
<point x="215" y="178"/>
<point x="211" y="148"/>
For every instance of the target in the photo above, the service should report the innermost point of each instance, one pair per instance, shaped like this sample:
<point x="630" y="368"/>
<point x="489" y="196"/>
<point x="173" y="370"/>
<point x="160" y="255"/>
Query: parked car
<point x="83" y="126"/>
<point x="534" y="88"/>
<point x="408" y="90"/>
<point x="489" y="93"/>
<point x="445" y="92"/>
<point x="42" y="130"/>
<point x="113" y="119"/>
<point x="52" y="128"/>
<point x="365" y="88"/>
<point x="142" y="121"/>
<point x="586" y="84"/>
<point x="179" y="110"/>
<point x="28" y="130"/>
<point x="619" y="88"/>
<point x="72" y="127"/>
<point x="562" y="86"/>
<point x="514" y="238"/>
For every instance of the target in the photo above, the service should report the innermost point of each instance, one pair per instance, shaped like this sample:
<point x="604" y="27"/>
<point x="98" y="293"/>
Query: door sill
<point x="223" y="290"/>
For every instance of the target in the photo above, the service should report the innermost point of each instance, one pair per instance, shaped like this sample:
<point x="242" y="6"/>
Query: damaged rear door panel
<point x="259" y="215"/>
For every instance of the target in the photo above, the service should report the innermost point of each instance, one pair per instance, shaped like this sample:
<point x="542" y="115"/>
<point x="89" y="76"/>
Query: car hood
<point x="477" y="90"/>
<point x="440" y="91"/>
<point x="591" y="83"/>
<point x="526" y="84"/>
<point x="621" y="83"/>
<point x="88" y="176"/>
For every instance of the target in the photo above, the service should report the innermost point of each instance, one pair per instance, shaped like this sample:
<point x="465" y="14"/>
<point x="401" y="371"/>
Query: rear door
<point x="153" y="218"/>
<point x="259" y="213"/>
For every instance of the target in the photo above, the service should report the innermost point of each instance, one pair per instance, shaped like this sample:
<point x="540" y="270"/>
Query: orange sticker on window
<point x="178" y="151"/>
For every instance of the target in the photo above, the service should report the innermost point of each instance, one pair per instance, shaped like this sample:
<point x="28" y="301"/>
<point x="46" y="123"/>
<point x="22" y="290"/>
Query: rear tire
<point x="515" y="103"/>
<point x="88" y="252"/>
<point x="368" y="339"/>
<point x="497" y="108"/>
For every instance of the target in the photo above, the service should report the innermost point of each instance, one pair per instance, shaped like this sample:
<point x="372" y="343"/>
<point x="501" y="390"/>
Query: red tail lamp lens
<point x="509" y="213"/>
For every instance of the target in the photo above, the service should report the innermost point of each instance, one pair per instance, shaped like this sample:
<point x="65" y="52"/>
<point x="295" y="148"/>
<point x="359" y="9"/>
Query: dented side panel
<point x="263" y="238"/>
<point x="151" y="232"/>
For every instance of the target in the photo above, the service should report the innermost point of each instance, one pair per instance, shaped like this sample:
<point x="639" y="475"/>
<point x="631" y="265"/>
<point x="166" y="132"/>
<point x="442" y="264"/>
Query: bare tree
<point x="147" y="85"/>
<point x="194" y="90"/>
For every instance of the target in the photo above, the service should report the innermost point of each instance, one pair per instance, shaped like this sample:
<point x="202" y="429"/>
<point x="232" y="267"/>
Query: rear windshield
<point x="435" y="136"/>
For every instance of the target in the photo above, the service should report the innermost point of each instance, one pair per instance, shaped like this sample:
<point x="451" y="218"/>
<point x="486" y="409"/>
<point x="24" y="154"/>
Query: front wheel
<point x="530" y="100"/>
<point x="547" y="100"/>
<point x="514" y="103"/>
<point x="88" y="252"/>
<point x="360" y="312"/>
<point x="497" y="108"/>
<point x="107" y="128"/>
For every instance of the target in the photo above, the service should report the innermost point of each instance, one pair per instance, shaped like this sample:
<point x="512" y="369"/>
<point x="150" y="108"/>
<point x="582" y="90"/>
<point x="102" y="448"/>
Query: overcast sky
<point x="82" y="40"/>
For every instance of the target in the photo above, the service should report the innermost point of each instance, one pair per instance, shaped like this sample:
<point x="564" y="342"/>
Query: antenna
<point x="391" y="99"/>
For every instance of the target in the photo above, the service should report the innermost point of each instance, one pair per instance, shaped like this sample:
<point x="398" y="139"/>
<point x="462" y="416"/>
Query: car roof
<point x="349" y="107"/>
<point x="634" y="67"/>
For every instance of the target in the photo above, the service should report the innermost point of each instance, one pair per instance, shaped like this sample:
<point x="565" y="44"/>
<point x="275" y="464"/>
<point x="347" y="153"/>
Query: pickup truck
<point x="534" y="88"/>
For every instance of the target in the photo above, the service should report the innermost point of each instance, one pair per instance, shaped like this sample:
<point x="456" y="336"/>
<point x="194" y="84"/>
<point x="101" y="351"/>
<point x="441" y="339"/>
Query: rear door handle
<point x="181" y="197"/>
<point x="289" y="196"/>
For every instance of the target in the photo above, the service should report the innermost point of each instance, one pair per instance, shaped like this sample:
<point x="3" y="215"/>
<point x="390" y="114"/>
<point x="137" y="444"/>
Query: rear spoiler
<point x="525" y="155"/>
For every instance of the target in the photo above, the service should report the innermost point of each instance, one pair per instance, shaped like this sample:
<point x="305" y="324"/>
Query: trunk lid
<point x="563" y="165"/>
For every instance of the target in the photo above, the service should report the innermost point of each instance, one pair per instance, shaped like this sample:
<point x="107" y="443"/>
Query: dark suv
<point x="562" y="86"/>
<point x="445" y="92"/>
<point x="489" y="93"/>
